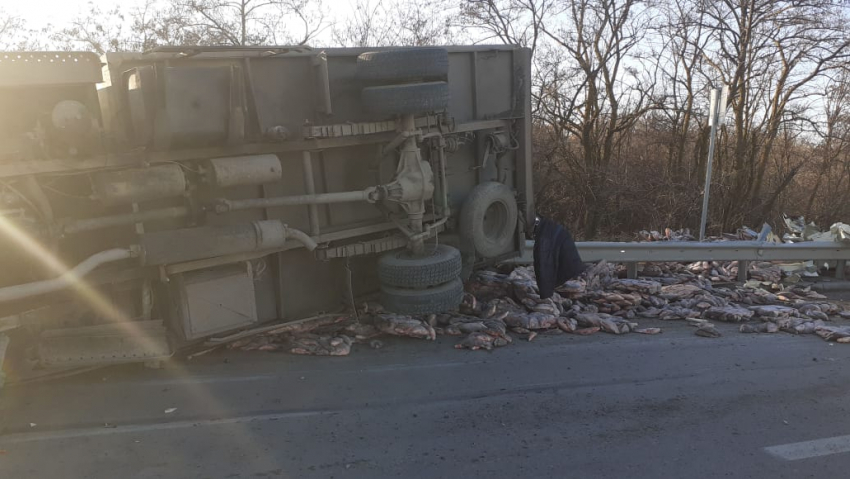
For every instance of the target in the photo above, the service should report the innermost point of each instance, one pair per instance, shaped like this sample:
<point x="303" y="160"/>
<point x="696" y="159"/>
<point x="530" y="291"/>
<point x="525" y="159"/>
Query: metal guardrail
<point x="742" y="251"/>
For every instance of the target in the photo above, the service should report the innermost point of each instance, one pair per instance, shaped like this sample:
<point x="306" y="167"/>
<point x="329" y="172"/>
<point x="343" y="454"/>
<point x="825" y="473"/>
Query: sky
<point x="39" y="13"/>
<point x="58" y="14"/>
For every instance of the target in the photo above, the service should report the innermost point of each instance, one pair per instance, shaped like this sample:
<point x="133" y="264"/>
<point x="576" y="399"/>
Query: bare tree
<point x="396" y="22"/>
<point x="193" y="22"/>
<point x="770" y="52"/>
<point x="513" y="22"/>
<point x="831" y="173"/>
<point x="96" y="30"/>
<point x="254" y="22"/>
<point x="589" y="90"/>
<point x="119" y="29"/>
<point x="680" y="57"/>
<point x="15" y="35"/>
<point x="11" y="28"/>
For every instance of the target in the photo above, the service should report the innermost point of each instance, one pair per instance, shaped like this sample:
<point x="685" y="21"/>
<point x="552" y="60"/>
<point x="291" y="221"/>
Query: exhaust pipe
<point x="175" y="246"/>
<point x="21" y="291"/>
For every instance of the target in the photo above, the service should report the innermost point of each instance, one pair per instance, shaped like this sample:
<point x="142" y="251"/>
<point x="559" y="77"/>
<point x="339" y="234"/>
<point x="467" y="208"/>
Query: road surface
<point x="672" y="405"/>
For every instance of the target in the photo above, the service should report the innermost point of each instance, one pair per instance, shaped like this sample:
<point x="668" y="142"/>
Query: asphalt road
<point x="673" y="405"/>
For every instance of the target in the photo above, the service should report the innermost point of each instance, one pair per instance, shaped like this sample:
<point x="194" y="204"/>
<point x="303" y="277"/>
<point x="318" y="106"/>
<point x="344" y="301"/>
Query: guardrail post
<point x="631" y="270"/>
<point x="839" y="268"/>
<point x="743" y="266"/>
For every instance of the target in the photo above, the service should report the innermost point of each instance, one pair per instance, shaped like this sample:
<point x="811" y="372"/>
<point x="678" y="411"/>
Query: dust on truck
<point x="150" y="201"/>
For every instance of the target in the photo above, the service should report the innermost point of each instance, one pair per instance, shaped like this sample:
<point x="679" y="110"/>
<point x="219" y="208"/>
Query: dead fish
<point x="817" y="314"/>
<point x="610" y="326"/>
<point x="603" y="321"/>
<point x="362" y="331"/>
<point x="476" y="341"/>
<point x="586" y="331"/>
<point x="531" y="320"/>
<point x="759" y="328"/>
<point x="635" y="285"/>
<point x="400" y="325"/>
<point x="680" y="291"/>
<point x="495" y="328"/>
<point x="546" y="308"/>
<point x="488" y="312"/>
<point x="444" y="319"/>
<point x="532" y="335"/>
<point x="806" y="328"/>
<point x="774" y="311"/>
<point x="316" y="345"/>
<point x="729" y="314"/>
<point x="468" y="305"/>
<point x="832" y="333"/>
<point x="571" y="287"/>
<point x="648" y="331"/>
<point x="671" y="312"/>
<point x="567" y="325"/>
<point x="789" y="325"/>
<point x="651" y="312"/>
<point x="707" y="330"/>
<point x="452" y="330"/>
<point x="471" y="327"/>
<point x="528" y="303"/>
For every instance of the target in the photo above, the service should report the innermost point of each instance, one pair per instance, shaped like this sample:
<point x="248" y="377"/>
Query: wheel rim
<point x="495" y="220"/>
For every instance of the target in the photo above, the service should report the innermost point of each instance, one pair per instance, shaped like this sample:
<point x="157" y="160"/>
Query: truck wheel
<point x="438" y="299"/>
<point x="488" y="219"/>
<point x="403" y="65"/>
<point x="400" y="268"/>
<point x="410" y="99"/>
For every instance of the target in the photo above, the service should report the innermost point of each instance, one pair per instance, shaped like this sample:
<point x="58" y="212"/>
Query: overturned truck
<point x="151" y="200"/>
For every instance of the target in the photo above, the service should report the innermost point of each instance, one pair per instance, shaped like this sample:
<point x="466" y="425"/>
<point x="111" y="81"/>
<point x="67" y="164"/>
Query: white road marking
<point x="17" y="438"/>
<point x="808" y="449"/>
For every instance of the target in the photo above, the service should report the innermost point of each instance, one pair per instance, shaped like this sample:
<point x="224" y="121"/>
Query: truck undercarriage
<point x="149" y="201"/>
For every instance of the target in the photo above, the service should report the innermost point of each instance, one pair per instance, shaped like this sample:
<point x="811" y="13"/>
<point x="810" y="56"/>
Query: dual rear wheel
<point x="410" y="82"/>
<point x="431" y="283"/>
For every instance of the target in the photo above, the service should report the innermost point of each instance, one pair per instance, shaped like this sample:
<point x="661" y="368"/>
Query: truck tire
<point x="400" y="268"/>
<point x="403" y="65"/>
<point x="488" y="219"/>
<point x="438" y="299"/>
<point x="410" y="99"/>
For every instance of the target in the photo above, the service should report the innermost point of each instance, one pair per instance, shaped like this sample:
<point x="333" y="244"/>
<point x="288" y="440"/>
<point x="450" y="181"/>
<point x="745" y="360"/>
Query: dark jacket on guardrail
<point x="556" y="257"/>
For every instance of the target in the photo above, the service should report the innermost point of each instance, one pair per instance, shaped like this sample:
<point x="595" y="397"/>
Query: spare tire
<point x="440" y="264"/>
<point x="488" y="219"/>
<point x="409" y="99"/>
<point x="403" y="65"/>
<point x="438" y="299"/>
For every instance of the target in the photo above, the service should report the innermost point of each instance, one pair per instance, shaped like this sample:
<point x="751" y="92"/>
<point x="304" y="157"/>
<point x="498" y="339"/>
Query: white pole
<point x="717" y="104"/>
